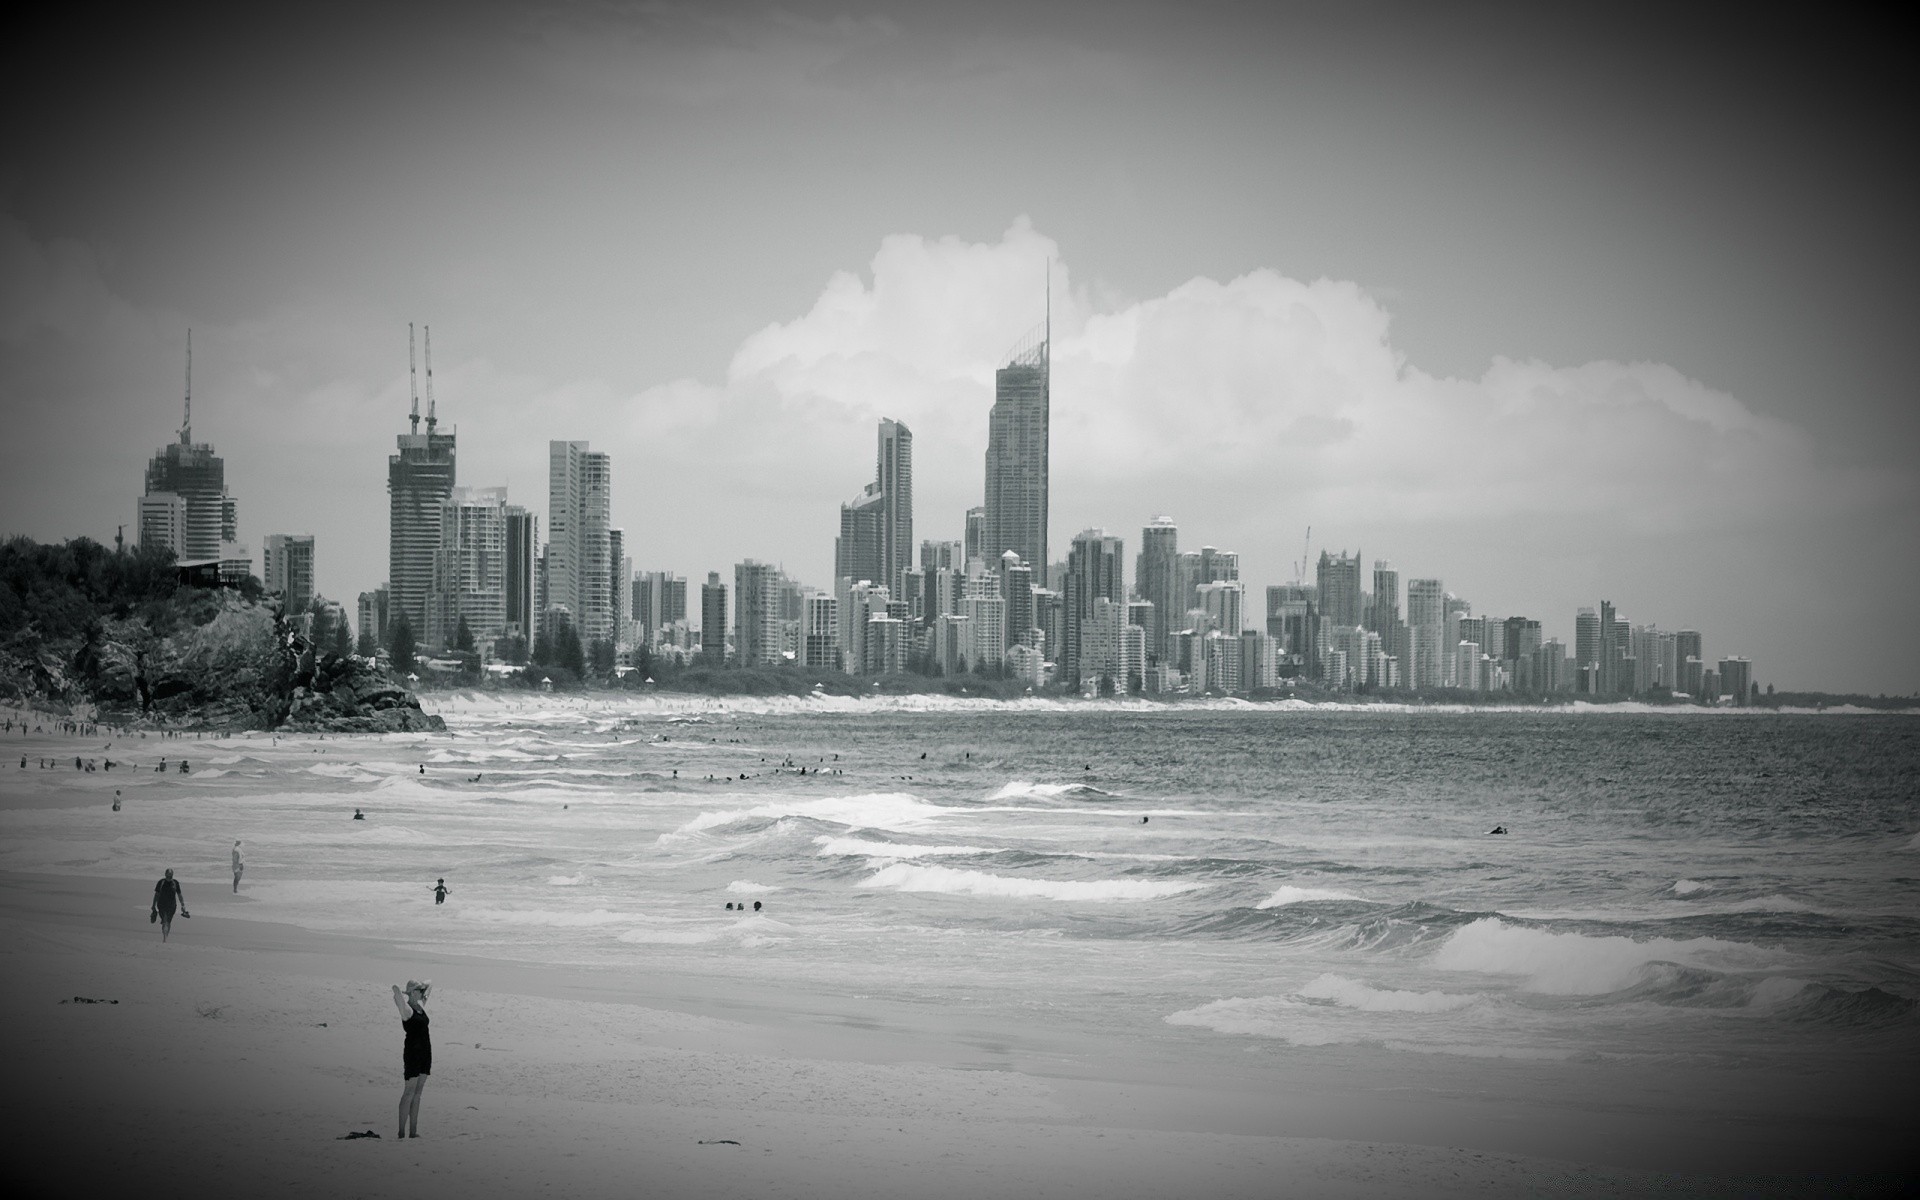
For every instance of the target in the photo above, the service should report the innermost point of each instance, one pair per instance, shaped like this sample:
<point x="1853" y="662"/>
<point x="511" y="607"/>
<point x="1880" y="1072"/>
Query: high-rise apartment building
<point x="1156" y="578"/>
<point x="286" y="567"/>
<point x="470" y="569"/>
<point x="523" y="556"/>
<point x="893" y="474"/>
<point x="1094" y="572"/>
<point x="1383" y="616"/>
<point x="419" y="478"/>
<point x="659" y="600"/>
<point x="859" y="553"/>
<point x="1017" y="457"/>
<point x="975" y="536"/>
<point x="713" y="621"/>
<point x="1736" y="680"/>
<point x="373" y="616"/>
<point x="756" y="609"/>
<point x="1338" y="580"/>
<point x="1291" y="621"/>
<point x="1426" y="633"/>
<point x="580" y="572"/>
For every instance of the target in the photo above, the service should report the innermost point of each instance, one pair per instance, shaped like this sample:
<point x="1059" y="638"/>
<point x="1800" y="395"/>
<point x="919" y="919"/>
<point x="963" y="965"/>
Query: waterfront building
<point x="1156" y="578"/>
<point x="286" y="567"/>
<point x="1094" y="572"/>
<point x="975" y="538"/>
<point x="419" y="477"/>
<point x="952" y="643"/>
<point x="580" y="571"/>
<point x="1338" y="582"/>
<point x="893" y="475"/>
<point x="1383" y="615"/>
<point x="986" y="613"/>
<point x="756" y="607"/>
<point x="1016" y="588"/>
<point x="713" y="621"/>
<point x="372" y="625"/>
<point x="1050" y="618"/>
<point x="185" y="507"/>
<point x="820" y="631"/>
<point x="1736" y="680"/>
<point x="1426" y="633"/>
<point x="522" y="559"/>
<point x="659" y="600"/>
<point x="470" y="569"/>
<point x="1015" y="516"/>
<point x="1225" y="605"/>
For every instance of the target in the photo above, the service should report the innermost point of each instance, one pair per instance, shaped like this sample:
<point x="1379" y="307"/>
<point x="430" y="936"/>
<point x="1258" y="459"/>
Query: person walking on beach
<point x="440" y="893"/>
<point x="416" y="1056"/>
<point x="166" y="897"/>
<point x="239" y="867"/>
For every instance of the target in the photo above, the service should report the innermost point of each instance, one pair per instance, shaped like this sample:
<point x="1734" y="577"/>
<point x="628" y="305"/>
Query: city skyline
<point x="1496" y="362"/>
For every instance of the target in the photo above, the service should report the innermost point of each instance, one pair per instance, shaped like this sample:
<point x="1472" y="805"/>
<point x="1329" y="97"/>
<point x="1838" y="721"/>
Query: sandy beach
<point x="233" y="1059"/>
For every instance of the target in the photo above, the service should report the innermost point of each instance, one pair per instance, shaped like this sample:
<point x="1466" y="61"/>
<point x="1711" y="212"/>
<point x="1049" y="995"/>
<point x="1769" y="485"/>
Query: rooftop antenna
<point x="413" y="379"/>
<point x="1306" y="552"/>
<point x="1049" y="318"/>
<point x="186" y="422"/>
<point x="432" y="420"/>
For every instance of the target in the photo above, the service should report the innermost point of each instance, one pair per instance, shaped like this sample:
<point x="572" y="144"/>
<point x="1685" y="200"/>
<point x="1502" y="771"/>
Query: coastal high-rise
<point x="1339" y="589"/>
<point x="974" y="537"/>
<point x="713" y="621"/>
<point x="893" y="475"/>
<point x="286" y="567"/>
<point x="1426" y="632"/>
<point x="1383" y="616"/>
<point x="469" y="569"/>
<point x="659" y="600"/>
<point x="523" y="556"/>
<point x="1156" y="578"/>
<point x="1017" y="457"/>
<point x="419" y="477"/>
<point x="579" y="546"/>
<point x="859" y="552"/>
<point x="185" y="507"/>
<point x="1094" y="572"/>
<point x="756" y="608"/>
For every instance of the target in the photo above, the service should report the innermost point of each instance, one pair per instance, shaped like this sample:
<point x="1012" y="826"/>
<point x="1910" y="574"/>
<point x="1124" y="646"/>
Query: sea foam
<point x="875" y="810"/>
<point x="873" y="849"/>
<point x="1288" y="894"/>
<point x="1351" y="993"/>
<point x="908" y="877"/>
<point x="1575" y="964"/>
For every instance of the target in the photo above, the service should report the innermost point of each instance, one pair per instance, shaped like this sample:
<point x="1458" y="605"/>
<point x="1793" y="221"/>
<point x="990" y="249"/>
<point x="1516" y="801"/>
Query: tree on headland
<point x="601" y="656"/>
<point x="463" y="636"/>
<point x="400" y="647"/>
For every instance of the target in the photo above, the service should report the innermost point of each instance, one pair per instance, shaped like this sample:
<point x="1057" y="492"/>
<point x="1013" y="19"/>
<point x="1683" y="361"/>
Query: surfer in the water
<point x="1497" y="829"/>
<point x="358" y="815"/>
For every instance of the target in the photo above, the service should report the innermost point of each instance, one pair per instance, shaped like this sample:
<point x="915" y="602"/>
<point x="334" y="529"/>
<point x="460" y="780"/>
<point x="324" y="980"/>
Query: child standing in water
<point x="440" y="893"/>
<point x="416" y="1056"/>
<point x="238" y="867"/>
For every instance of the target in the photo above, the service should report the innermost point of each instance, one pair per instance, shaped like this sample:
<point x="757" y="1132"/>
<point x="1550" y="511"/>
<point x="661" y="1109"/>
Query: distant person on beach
<point x="358" y="815"/>
<point x="423" y="768"/>
<point x="239" y="866"/>
<point x="116" y="799"/>
<point x="440" y="892"/>
<point x="416" y="1056"/>
<point x="166" y="897"/>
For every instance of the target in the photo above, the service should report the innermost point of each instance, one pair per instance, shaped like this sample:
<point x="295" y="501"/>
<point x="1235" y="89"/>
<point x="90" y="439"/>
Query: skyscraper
<point x="713" y="621"/>
<point x="579" y="548"/>
<point x="287" y="567"/>
<point x="974" y="538"/>
<point x="1017" y="457"/>
<point x="419" y="477"/>
<point x="186" y="508"/>
<point x="469" y="568"/>
<point x="893" y="474"/>
<point x="756" y="608"/>
<point x="1094" y="572"/>
<point x="1156" y="578"/>
<point x="1426" y="632"/>
<point x="523" y="553"/>
<point x="1384" y="615"/>
<point x="1339" y="589"/>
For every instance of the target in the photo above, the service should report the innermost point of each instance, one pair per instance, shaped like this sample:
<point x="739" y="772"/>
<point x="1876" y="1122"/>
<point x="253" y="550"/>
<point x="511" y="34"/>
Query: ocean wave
<point x="872" y="849"/>
<point x="874" y="810"/>
<point x="1288" y="894"/>
<point x="1351" y="993"/>
<point x="907" y="877"/>
<point x="353" y="772"/>
<point x="1021" y="789"/>
<point x="565" y="880"/>
<point x="1688" y="887"/>
<point x="747" y="887"/>
<point x="1574" y="964"/>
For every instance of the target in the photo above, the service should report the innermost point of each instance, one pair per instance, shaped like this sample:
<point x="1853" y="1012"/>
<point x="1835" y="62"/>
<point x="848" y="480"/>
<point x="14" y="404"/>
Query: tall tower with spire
<point x="1018" y="431"/>
<point x="185" y="507"/>
<point x="419" y="477"/>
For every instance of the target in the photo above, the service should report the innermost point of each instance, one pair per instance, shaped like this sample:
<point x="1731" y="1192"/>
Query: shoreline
<point x="277" y="1040"/>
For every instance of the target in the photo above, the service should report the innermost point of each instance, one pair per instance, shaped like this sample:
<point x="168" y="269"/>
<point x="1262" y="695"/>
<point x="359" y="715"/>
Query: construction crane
<point x="1306" y="552"/>
<point x="432" y="419"/>
<point x="186" y="421"/>
<point x="413" y="380"/>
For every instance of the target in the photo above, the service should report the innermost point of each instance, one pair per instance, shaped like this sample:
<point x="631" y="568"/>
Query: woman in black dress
<point x="417" y="1056"/>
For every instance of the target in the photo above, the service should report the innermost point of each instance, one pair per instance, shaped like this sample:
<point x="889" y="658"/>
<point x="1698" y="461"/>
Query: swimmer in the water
<point x="358" y="815"/>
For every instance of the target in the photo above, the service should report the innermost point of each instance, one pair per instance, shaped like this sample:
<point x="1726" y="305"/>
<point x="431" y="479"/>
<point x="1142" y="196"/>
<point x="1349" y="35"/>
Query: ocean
<point x="1698" y="887"/>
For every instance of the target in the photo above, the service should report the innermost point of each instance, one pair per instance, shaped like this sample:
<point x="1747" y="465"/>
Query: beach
<point x="597" y="1055"/>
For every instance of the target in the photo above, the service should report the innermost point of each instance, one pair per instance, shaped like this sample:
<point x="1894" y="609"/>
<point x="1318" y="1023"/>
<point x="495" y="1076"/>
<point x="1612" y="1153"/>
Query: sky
<point x="1555" y="307"/>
